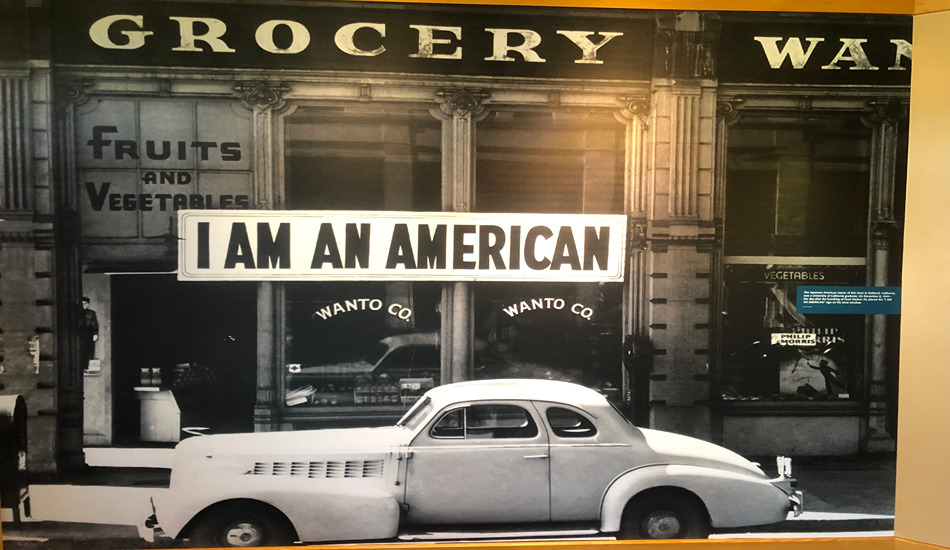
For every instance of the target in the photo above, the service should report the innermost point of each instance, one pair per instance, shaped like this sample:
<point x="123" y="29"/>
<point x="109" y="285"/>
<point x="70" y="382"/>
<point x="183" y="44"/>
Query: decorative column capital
<point x="887" y="110"/>
<point x="637" y="238"/>
<point x="727" y="109"/>
<point x="461" y="102"/>
<point x="72" y="91"/>
<point x="262" y="95"/>
<point x="635" y="107"/>
<point x="884" y="232"/>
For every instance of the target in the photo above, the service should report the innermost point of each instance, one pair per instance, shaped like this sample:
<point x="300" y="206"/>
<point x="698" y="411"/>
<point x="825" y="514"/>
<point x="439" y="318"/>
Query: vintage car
<point x="489" y="453"/>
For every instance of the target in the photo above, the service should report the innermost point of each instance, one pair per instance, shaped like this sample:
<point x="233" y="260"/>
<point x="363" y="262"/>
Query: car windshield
<point x="376" y="353"/>
<point x="419" y="412"/>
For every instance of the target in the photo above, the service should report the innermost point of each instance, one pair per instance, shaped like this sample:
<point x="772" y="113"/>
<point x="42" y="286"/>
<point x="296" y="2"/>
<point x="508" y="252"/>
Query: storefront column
<point x="69" y="96"/>
<point x="638" y="357"/>
<point x="885" y="119"/>
<point x="458" y="110"/>
<point x="680" y="228"/>
<point x="727" y="113"/>
<point x="266" y="100"/>
<point x="37" y="362"/>
<point x="678" y="268"/>
<point x="876" y="438"/>
<point x="269" y="353"/>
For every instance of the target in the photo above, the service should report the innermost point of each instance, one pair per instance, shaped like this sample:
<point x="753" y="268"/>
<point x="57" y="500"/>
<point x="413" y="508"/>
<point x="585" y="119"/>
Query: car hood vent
<point x="322" y="469"/>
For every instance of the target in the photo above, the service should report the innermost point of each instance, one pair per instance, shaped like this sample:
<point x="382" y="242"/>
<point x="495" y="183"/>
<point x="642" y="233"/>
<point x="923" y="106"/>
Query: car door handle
<point x="535" y="456"/>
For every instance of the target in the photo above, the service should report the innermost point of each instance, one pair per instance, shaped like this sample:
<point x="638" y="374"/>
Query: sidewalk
<point x="843" y="495"/>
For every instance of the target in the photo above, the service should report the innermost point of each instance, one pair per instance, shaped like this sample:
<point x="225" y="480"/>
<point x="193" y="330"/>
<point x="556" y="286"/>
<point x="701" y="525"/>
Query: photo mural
<point x="382" y="271"/>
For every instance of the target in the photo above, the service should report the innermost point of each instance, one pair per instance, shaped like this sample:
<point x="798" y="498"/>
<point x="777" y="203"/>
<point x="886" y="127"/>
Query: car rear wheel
<point x="665" y="514"/>
<point x="242" y="525"/>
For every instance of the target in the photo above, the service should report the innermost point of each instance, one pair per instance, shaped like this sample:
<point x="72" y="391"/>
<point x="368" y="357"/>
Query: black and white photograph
<point x="279" y="272"/>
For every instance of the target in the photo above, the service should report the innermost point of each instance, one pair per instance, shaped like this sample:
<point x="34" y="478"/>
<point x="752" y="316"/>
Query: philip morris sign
<point x="353" y="245"/>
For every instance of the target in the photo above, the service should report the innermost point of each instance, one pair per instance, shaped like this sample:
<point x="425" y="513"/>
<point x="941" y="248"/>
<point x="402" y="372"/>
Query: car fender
<point x="319" y="509"/>
<point x="732" y="499"/>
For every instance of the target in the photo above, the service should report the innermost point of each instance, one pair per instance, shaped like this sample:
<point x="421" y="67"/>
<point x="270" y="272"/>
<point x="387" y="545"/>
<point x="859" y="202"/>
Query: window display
<point x="771" y="351"/>
<point x="361" y="344"/>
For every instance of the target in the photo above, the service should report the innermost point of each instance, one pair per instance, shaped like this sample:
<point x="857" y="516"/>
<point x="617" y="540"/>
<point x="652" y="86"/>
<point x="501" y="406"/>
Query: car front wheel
<point x="665" y="514"/>
<point x="242" y="525"/>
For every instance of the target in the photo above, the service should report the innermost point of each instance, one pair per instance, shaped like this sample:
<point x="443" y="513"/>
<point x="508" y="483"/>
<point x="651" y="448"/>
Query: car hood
<point x="680" y="449"/>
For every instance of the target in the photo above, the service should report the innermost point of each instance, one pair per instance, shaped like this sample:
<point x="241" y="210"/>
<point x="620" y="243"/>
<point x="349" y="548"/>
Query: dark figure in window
<point x="830" y="375"/>
<point x="88" y="331"/>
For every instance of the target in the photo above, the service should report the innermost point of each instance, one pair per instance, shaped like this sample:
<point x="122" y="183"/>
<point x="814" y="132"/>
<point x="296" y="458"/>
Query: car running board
<point x="512" y="533"/>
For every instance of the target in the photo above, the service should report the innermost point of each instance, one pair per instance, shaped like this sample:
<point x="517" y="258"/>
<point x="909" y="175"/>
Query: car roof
<point x="505" y="389"/>
<point x="412" y="338"/>
<point x="423" y="339"/>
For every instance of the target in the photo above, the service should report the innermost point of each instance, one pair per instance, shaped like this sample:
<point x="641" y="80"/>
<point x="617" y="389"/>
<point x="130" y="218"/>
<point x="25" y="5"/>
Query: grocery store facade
<point x="745" y="155"/>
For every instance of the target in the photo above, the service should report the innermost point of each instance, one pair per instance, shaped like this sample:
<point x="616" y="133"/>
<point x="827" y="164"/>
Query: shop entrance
<point x="184" y="356"/>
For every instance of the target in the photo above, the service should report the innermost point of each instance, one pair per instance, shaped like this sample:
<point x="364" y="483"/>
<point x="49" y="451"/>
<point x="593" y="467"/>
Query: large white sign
<point x="439" y="246"/>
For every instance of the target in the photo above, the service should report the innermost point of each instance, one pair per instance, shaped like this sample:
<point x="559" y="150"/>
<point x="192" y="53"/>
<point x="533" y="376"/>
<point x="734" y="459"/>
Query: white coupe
<point x="498" y="454"/>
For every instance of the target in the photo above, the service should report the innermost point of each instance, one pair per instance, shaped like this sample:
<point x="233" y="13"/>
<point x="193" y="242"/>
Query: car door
<point x="584" y="461"/>
<point x="484" y="462"/>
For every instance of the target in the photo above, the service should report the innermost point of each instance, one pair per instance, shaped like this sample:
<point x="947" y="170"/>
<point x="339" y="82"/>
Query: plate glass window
<point x="796" y="209"/>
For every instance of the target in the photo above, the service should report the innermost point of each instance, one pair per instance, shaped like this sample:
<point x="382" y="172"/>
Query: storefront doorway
<point x="185" y="346"/>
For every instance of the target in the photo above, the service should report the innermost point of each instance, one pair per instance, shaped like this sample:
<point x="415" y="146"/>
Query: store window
<point x="549" y="161"/>
<point x="140" y="161"/>
<point x="361" y="346"/>
<point x="797" y="187"/>
<point x="797" y="199"/>
<point x="553" y="331"/>
<point x="565" y="161"/>
<point x="770" y="351"/>
<point x="344" y="158"/>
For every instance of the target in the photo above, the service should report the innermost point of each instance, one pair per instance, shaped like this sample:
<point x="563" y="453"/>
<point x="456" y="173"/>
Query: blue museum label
<point x="849" y="299"/>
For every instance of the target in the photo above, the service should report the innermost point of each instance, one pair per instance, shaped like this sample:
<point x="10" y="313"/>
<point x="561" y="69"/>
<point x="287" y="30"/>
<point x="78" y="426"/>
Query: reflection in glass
<point x="568" y="332"/>
<point x="345" y="348"/>
<point x="552" y="162"/>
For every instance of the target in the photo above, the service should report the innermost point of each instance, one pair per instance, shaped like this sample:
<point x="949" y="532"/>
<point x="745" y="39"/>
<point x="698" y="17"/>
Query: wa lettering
<point x="782" y="52"/>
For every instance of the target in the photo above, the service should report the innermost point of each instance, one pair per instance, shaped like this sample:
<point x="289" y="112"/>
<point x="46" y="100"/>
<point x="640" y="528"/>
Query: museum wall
<point x="924" y="422"/>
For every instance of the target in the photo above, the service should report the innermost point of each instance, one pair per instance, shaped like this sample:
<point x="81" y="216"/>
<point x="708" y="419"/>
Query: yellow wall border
<point x="900" y="7"/>
<point x="830" y="543"/>
<point x="896" y="7"/>
<point x="930" y="6"/>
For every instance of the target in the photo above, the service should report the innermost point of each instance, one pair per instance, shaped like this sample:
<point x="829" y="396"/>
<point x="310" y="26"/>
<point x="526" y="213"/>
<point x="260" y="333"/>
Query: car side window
<point x="498" y="422"/>
<point x="451" y="425"/>
<point x="493" y="421"/>
<point x="411" y="362"/>
<point x="568" y="423"/>
<point x="396" y="364"/>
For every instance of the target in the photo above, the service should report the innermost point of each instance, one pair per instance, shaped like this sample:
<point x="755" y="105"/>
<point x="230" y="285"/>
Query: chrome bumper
<point x="797" y="502"/>
<point x="788" y="484"/>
